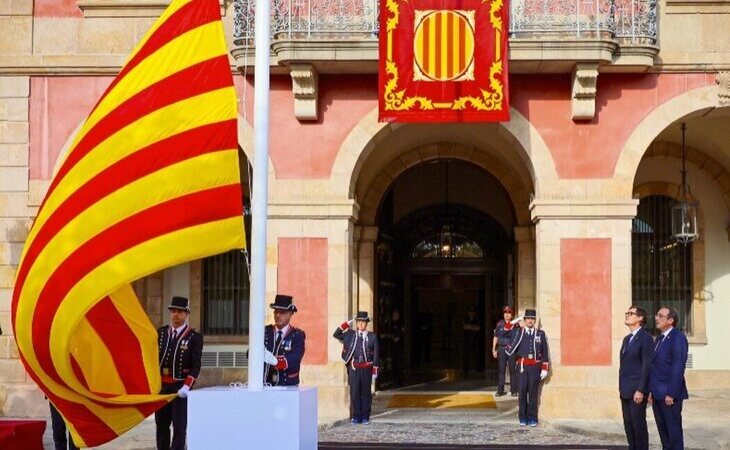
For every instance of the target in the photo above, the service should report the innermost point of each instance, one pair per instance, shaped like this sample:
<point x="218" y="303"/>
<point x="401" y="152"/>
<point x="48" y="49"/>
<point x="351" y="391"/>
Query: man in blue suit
<point x="666" y="381"/>
<point x="633" y="378"/>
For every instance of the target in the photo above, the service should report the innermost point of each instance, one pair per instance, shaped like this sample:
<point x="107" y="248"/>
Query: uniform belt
<point x="361" y="365"/>
<point x="528" y="361"/>
<point x="168" y="379"/>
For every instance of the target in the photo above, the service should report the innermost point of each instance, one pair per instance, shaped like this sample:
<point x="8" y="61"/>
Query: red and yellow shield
<point x="443" y="61"/>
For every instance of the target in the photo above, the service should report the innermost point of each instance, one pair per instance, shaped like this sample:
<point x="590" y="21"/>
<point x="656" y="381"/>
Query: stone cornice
<point x="324" y="211"/>
<point x="583" y="210"/>
<point x="128" y="8"/>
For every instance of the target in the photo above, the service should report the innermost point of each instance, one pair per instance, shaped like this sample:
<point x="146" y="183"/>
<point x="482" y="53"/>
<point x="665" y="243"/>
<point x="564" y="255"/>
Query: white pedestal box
<point x="224" y="418"/>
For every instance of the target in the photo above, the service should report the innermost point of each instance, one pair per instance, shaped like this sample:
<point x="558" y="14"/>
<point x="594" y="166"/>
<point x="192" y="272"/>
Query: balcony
<point x="546" y="36"/>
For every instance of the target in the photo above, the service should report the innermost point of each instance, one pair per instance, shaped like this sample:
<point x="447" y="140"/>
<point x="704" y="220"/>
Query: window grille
<point x="661" y="270"/>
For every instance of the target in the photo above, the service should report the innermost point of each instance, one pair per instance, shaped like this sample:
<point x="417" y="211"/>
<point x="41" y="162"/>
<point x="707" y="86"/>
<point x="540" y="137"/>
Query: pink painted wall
<point x="57" y="107"/>
<point x="302" y="273"/>
<point x="585" y="305"/>
<point x="591" y="149"/>
<point x="306" y="150"/>
<point x="56" y="8"/>
<point x="580" y="150"/>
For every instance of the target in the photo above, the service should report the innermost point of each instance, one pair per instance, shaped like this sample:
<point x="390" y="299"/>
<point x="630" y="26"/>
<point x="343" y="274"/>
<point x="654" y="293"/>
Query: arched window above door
<point x="447" y="244"/>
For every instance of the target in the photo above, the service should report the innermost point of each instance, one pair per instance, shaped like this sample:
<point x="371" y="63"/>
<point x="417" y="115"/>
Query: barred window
<point x="661" y="268"/>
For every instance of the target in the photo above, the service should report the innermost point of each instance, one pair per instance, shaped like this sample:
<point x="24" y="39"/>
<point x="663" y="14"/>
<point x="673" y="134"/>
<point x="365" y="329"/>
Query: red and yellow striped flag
<point x="150" y="181"/>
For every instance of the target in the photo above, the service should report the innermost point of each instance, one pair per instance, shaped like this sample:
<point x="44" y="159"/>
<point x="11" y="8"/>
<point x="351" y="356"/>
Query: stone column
<point x="583" y="261"/>
<point x="310" y="255"/>
<point x="19" y="396"/>
<point x="365" y="289"/>
<point x="525" y="267"/>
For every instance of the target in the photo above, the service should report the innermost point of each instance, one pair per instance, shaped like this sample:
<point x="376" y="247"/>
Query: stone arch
<point x="641" y="138"/>
<point x="368" y="134"/>
<point x="698" y="320"/>
<point x="372" y="194"/>
<point x="714" y="170"/>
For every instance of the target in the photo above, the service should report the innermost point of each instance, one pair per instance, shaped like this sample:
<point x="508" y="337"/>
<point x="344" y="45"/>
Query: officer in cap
<point x="361" y="356"/>
<point x="531" y="347"/>
<point x="502" y="336"/>
<point x="284" y="345"/>
<point x="180" y="353"/>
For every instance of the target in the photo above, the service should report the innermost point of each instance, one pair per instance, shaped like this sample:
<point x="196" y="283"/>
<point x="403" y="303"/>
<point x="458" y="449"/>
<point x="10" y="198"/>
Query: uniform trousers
<point x="529" y="391"/>
<point x="504" y="361"/>
<point x="175" y="413"/>
<point x="669" y="424"/>
<point x="637" y="434"/>
<point x="360" y="396"/>
<point x="61" y="439"/>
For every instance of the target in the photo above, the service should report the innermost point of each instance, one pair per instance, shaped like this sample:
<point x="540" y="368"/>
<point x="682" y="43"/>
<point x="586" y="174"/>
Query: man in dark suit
<point x="633" y="378"/>
<point x="284" y="345"/>
<point x="667" y="386"/>
<point x="180" y="357"/>
<point x="361" y="354"/>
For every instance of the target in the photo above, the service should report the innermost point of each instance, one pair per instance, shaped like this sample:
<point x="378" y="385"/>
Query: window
<point x="661" y="268"/>
<point x="225" y="293"/>
<point x="447" y="245"/>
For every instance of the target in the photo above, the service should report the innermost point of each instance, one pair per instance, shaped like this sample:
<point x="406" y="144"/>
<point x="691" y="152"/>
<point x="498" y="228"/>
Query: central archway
<point x="444" y="267"/>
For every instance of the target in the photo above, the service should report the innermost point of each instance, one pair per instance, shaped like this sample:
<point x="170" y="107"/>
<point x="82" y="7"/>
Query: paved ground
<point x="491" y="426"/>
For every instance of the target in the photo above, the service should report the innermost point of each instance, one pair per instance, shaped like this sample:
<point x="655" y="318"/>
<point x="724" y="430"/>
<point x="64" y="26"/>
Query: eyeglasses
<point x="661" y="316"/>
<point x="629" y="313"/>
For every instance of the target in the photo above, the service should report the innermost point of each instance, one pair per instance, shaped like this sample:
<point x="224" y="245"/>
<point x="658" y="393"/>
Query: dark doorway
<point x="442" y="276"/>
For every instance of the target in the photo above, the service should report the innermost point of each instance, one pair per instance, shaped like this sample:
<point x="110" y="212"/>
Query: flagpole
<point x="259" y="198"/>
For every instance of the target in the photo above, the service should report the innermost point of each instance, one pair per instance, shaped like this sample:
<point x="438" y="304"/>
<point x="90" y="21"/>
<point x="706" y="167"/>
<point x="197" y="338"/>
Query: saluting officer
<point x="502" y="337"/>
<point x="284" y="345"/>
<point x="361" y="355"/>
<point x="180" y="353"/>
<point x="531" y="347"/>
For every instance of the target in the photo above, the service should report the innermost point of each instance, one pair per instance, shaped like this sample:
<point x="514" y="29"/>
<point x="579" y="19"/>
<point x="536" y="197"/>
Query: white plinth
<point x="224" y="418"/>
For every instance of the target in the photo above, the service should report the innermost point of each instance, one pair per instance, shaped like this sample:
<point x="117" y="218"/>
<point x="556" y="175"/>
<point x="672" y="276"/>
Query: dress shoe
<point x="500" y="394"/>
<point x="355" y="420"/>
<point x="365" y="422"/>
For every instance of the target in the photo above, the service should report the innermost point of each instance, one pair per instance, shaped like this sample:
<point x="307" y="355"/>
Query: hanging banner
<point x="443" y="61"/>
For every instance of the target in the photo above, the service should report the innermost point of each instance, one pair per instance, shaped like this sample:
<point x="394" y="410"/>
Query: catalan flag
<point x="150" y="181"/>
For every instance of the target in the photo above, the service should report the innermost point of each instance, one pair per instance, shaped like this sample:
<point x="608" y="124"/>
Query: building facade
<point x="566" y="208"/>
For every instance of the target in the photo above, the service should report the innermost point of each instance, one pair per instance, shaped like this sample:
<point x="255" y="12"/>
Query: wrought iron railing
<point x="626" y="20"/>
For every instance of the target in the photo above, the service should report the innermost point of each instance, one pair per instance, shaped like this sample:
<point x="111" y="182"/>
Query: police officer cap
<point x="530" y="314"/>
<point x="508" y="309"/>
<point x="283" y="302"/>
<point x="362" y="315"/>
<point x="179" y="303"/>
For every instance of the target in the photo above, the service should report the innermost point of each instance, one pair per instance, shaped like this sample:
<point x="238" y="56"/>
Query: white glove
<point x="269" y="358"/>
<point x="543" y="374"/>
<point x="183" y="392"/>
<point x="516" y="321"/>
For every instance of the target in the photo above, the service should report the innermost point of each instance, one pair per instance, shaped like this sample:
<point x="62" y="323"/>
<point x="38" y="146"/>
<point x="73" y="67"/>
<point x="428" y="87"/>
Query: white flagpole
<point x="259" y="198"/>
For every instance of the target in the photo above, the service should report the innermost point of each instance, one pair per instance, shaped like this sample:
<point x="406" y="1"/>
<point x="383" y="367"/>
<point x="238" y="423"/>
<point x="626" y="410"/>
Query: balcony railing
<point x="628" y="21"/>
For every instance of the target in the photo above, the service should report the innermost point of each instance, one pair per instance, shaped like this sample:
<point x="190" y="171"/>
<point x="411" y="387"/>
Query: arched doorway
<point x="444" y="266"/>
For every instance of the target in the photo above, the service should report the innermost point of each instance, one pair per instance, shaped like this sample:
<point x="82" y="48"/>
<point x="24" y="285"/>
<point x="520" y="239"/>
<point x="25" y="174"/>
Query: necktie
<point x="174" y="334"/>
<point x="278" y="340"/>
<point x="659" y="340"/>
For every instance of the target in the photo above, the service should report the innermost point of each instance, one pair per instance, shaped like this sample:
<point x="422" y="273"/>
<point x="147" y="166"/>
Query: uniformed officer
<point x="180" y="353"/>
<point x="284" y="345"/>
<point x="361" y="356"/>
<point x="531" y="347"/>
<point x="502" y="336"/>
